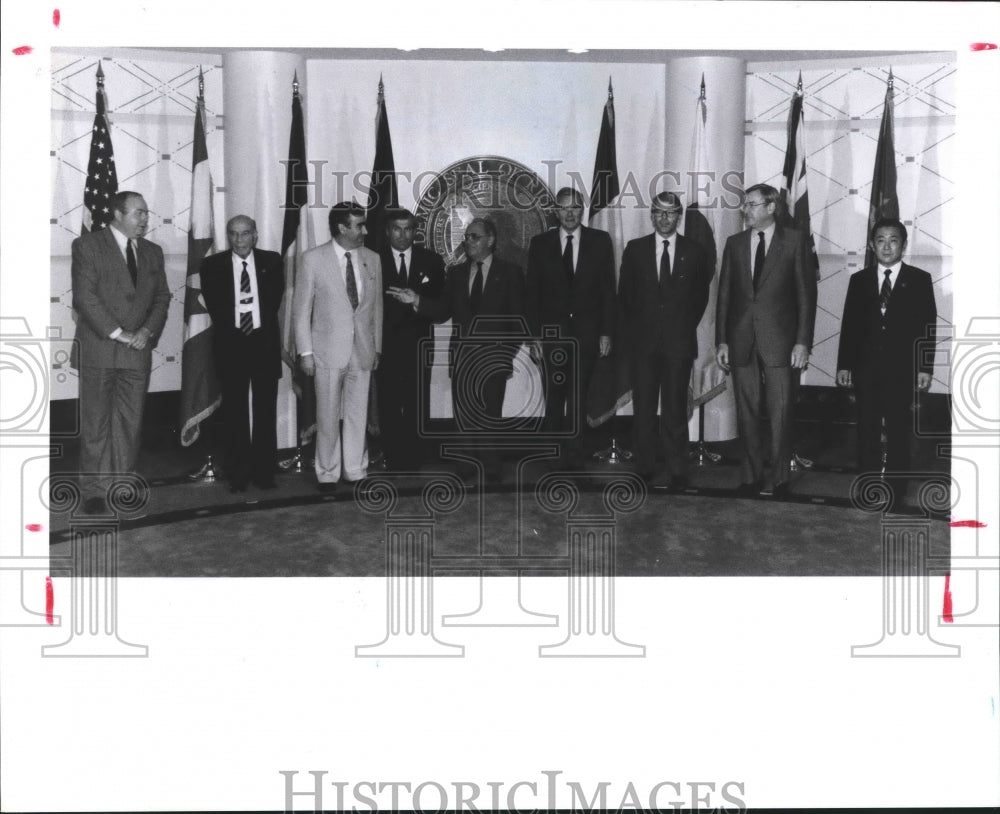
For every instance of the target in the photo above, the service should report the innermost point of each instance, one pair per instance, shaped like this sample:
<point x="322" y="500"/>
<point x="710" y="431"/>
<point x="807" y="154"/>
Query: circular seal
<point x="506" y="192"/>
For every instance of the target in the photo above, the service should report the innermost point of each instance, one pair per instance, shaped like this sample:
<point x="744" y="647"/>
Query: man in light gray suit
<point x="337" y="314"/>
<point x="121" y="297"/>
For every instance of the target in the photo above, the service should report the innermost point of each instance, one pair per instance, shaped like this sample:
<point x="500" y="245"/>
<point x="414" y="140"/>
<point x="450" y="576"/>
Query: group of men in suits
<point x="356" y="312"/>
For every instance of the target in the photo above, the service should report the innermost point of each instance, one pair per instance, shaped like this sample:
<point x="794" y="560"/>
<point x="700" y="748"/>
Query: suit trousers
<point x="249" y="454"/>
<point x="403" y="397"/>
<point x="567" y="371"/>
<point x="341" y="394"/>
<point x="111" y="406"/>
<point x="883" y="393"/>
<point x="664" y="379"/>
<point x="478" y="387"/>
<point x="778" y="413"/>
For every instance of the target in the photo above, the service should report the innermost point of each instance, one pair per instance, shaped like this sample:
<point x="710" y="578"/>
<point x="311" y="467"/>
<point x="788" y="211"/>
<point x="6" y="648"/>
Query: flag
<point x="610" y="389"/>
<point x="200" y="392"/>
<point x="707" y="378"/>
<point x="102" y="180"/>
<point x="294" y="241"/>
<point x="382" y="193"/>
<point x="795" y="194"/>
<point x="884" y="203"/>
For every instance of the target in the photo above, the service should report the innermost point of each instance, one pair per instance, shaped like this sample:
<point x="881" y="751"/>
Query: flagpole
<point x="298" y="462"/>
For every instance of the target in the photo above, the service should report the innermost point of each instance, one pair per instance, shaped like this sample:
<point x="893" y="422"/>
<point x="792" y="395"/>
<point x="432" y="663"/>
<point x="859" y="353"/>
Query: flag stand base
<point x="703" y="456"/>
<point x="613" y="454"/>
<point x="297" y="463"/>
<point x="206" y="473"/>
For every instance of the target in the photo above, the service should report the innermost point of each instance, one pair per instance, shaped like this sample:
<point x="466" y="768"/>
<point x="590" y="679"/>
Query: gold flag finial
<point x="201" y="84"/>
<point x="100" y="74"/>
<point x="295" y="83"/>
<point x="890" y="77"/>
<point x="702" y="94"/>
<point x="798" y="87"/>
<point x="611" y="92"/>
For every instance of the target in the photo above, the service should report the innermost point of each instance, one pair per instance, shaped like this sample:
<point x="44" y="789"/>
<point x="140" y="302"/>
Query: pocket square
<point x="425" y="279"/>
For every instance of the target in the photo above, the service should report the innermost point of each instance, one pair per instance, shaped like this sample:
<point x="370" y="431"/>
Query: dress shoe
<point x="95" y="505"/>
<point x="780" y="491"/>
<point x="327" y="487"/>
<point x="748" y="489"/>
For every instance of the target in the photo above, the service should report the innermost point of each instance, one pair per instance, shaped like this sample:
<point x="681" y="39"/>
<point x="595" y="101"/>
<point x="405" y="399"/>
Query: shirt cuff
<point x="115" y="333"/>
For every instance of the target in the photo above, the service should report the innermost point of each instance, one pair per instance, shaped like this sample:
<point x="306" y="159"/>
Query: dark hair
<point x="341" y="214"/>
<point x="571" y="192"/>
<point x="397" y="213"/>
<point x="887" y="223"/>
<point x="767" y="192"/>
<point x="668" y="200"/>
<point x="120" y="202"/>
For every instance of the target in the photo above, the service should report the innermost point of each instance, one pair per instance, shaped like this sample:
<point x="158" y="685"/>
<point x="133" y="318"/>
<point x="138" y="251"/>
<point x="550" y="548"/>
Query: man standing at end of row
<point x="764" y="327"/>
<point x="337" y="313"/>
<point x="570" y="287"/>
<point x="121" y="297"/>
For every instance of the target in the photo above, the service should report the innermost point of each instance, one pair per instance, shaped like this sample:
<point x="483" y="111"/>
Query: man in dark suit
<point x="570" y="289"/>
<point x="662" y="293"/>
<point x="484" y="298"/>
<point x="243" y="290"/>
<point x="404" y="374"/>
<point x="889" y="307"/>
<point x="764" y="328"/>
<point x="121" y="298"/>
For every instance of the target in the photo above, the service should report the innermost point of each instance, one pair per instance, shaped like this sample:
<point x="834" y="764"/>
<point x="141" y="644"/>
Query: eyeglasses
<point x="666" y="213"/>
<point x="470" y="236"/>
<point x="749" y="205"/>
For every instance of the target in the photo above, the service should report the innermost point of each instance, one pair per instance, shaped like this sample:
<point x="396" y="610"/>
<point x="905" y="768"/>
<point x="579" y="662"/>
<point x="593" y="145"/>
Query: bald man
<point x="243" y="288"/>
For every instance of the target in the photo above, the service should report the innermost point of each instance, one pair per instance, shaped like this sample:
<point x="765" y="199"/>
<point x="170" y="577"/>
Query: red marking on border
<point x="34" y="527"/>
<point x="967" y="524"/>
<point x="50" y="601"/>
<point x="946" y="609"/>
<point x="55" y="17"/>
<point x="21" y="50"/>
<point x="983" y="46"/>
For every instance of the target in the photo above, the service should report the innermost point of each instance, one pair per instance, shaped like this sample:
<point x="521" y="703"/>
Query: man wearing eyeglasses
<point x="663" y="291"/>
<point x="484" y="298"/>
<point x="764" y="330"/>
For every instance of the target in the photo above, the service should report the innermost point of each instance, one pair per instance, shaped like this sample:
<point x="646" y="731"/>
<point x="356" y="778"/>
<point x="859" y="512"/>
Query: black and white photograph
<point x="552" y="406"/>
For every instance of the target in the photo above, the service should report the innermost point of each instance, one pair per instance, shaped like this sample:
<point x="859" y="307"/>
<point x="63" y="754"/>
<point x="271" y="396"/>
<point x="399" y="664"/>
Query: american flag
<point x="102" y="180"/>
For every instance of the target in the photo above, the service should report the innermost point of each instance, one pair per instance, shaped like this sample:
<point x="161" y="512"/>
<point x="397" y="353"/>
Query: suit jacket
<point x="591" y="302"/>
<point x="663" y="317"/>
<point x="501" y="310"/>
<point x="781" y="313"/>
<point x="910" y="311"/>
<point x="402" y="327"/>
<point x="105" y="299"/>
<point x="325" y="324"/>
<point x="217" y="288"/>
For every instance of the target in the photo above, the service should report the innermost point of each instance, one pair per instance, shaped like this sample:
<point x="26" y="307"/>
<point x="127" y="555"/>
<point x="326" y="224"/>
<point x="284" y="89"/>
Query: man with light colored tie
<point x="889" y="308"/>
<point x="764" y="328"/>
<point x="121" y="298"/>
<point x="337" y="317"/>
<point x="243" y="290"/>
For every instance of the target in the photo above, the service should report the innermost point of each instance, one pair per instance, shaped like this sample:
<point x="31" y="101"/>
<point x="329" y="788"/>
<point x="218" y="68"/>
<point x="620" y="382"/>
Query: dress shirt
<point x="671" y="251"/>
<point x="768" y="234"/>
<point x="487" y="262"/>
<point x="122" y="242"/>
<point x="254" y="306"/>
<point x="563" y="234"/>
<point x="408" y="254"/>
<point x="893" y="274"/>
<point x="355" y="261"/>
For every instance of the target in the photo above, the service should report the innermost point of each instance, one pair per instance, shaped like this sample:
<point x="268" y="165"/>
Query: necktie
<point x="133" y="268"/>
<point x="404" y="276"/>
<point x="477" y="289"/>
<point x="665" y="261"/>
<point x="352" y="285"/>
<point x="567" y="260"/>
<point x="758" y="260"/>
<point x="246" y="317"/>
<point x="885" y="291"/>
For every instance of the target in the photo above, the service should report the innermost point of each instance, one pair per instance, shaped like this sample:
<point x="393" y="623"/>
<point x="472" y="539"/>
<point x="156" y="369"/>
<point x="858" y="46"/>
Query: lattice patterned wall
<point x="843" y="109"/>
<point x="151" y="106"/>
